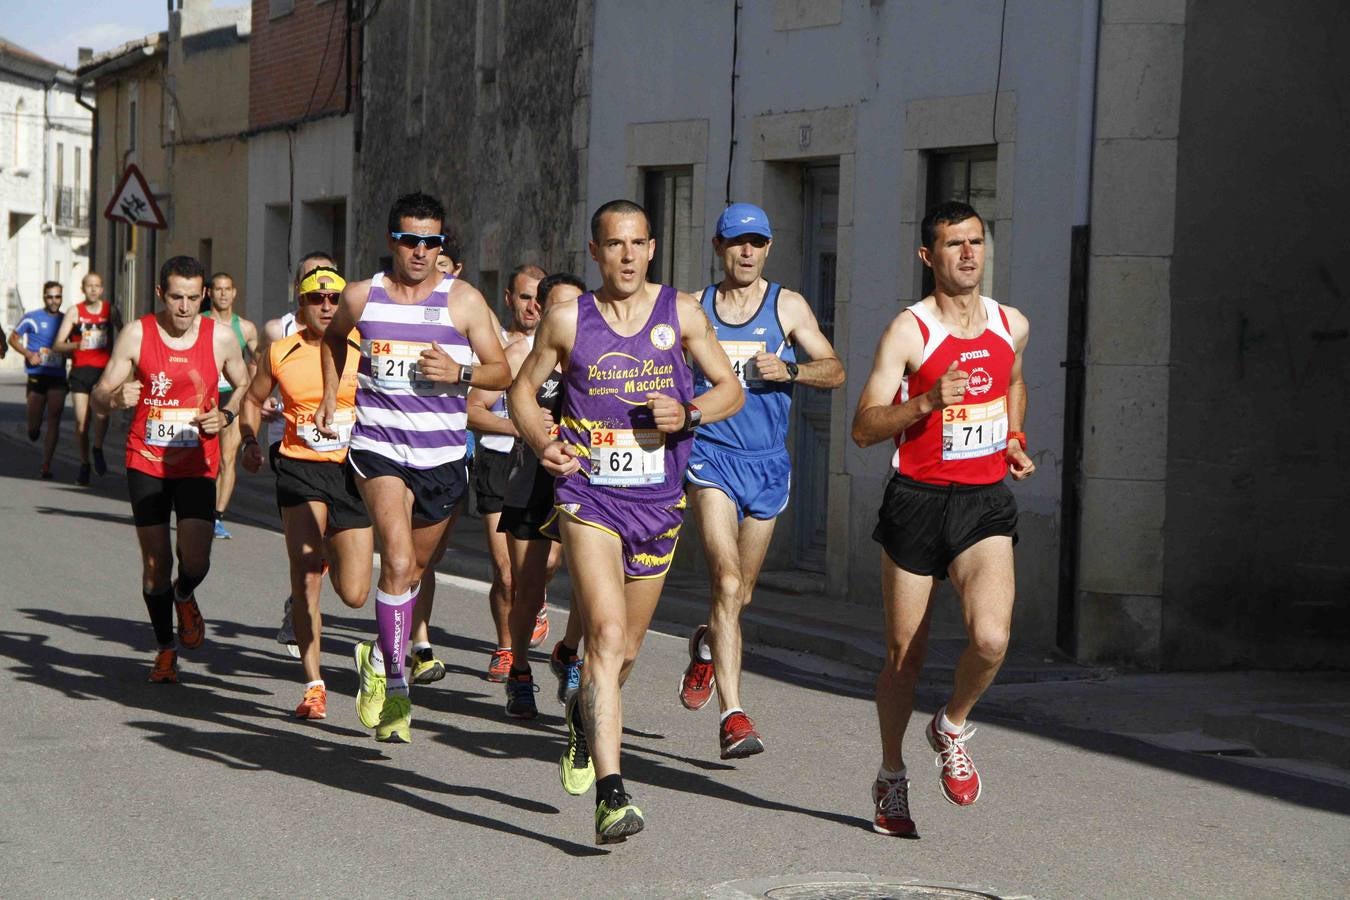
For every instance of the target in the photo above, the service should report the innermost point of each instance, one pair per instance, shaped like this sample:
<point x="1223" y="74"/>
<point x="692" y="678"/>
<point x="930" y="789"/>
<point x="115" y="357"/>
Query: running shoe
<point x="739" y="738"/>
<point x="890" y="800"/>
<point x="615" y="824"/>
<point x="82" y="479"/>
<point x="165" y="670"/>
<point x="100" y="463"/>
<point x="46" y="474"/>
<point x="540" y="633"/>
<point x="220" y="532"/>
<point x="520" y="688"/>
<point x="568" y="674"/>
<point x="191" y="626"/>
<point x="286" y="633"/>
<point x="315" y="704"/>
<point x="698" y="681"/>
<point x="425" y="667"/>
<point x="395" y="726"/>
<point x="370" y="692"/>
<point x="576" y="768"/>
<point x="500" y="666"/>
<point x="960" y="782"/>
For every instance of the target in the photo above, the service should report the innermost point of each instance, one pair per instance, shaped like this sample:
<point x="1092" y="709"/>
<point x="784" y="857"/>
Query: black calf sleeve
<point x="160" y="607"/>
<point x="188" y="581"/>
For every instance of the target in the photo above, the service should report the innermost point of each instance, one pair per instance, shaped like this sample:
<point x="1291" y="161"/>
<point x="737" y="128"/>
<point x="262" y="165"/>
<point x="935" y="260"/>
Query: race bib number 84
<point x="974" y="429"/>
<point x="622" y="457"/>
<point x="171" y="428"/>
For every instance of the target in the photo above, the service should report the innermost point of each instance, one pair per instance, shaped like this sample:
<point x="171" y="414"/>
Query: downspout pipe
<point x="93" y="177"/>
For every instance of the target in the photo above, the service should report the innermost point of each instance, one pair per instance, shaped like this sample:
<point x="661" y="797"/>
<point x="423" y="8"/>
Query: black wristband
<point x="792" y="371"/>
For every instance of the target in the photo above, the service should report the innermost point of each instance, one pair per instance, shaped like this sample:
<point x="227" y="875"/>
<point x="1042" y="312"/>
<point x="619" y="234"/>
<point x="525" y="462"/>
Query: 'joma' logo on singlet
<point x="974" y="354"/>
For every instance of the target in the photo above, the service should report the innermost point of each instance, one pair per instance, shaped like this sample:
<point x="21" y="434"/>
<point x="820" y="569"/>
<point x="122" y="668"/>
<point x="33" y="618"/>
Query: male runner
<point x="221" y="294"/>
<point x="87" y="332"/>
<point x="526" y="506"/>
<point x="34" y="337"/>
<point x="495" y="437"/>
<point x="322" y="514"/>
<point x="166" y="365"/>
<point x="626" y="432"/>
<point x="739" y="472"/>
<point x="947" y="387"/>
<point x="418" y="331"/>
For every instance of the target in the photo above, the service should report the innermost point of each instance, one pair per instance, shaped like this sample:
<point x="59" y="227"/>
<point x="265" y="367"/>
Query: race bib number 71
<point x="974" y="429"/>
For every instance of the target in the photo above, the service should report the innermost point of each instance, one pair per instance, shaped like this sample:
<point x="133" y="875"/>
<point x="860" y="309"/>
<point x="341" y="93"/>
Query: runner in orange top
<point x="322" y="514"/>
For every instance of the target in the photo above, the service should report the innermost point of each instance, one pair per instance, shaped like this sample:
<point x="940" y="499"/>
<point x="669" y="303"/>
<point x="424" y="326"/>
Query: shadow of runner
<point x="238" y="737"/>
<point x="118" y="519"/>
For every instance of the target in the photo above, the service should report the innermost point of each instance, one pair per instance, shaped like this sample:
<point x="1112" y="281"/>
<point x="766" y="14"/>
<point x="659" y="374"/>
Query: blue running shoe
<point x="221" y="533"/>
<point x="567" y="672"/>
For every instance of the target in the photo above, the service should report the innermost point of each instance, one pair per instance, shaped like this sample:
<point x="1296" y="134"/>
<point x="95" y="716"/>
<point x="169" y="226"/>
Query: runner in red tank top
<point x="87" y="332"/>
<point x="947" y="387"/>
<point x="165" y="366"/>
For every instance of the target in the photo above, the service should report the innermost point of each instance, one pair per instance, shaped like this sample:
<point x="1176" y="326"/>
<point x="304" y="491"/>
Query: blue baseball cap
<point x="743" y="218"/>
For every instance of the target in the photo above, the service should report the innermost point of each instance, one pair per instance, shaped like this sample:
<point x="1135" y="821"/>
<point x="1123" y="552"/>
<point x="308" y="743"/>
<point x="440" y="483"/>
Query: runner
<point x="46" y="369"/>
<point x="494" y="438"/>
<point x="176" y="357"/>
<point x="739" y="471"/>
<point x="947" y="387"/>
<point x="88" y="331"/>
<point x="626" y="432"/>
<point x="418" y="331"/>
<point x="322" y="515"/>
<point x="221" y="295"/>
<point x="527" y="504"/>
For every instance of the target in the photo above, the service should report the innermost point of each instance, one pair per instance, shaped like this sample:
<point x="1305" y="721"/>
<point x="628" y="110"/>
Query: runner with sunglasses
<point x="419" y="331"/>
<point x="166" y="366"/>
<point x="34" y="338"/>
<point x="322" y="515"/>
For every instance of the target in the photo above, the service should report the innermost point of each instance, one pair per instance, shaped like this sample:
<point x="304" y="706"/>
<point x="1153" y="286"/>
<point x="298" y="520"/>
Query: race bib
<point x="742" y="356"/>
<point x="93" y="337"/>
<point x="48" y="358"/>
<point x="171" y="428"/>
<point x="395" y="364"/>
<point x="623" y="457"/>
<point x="974" y="429"/>
<point x="343" y="420"/>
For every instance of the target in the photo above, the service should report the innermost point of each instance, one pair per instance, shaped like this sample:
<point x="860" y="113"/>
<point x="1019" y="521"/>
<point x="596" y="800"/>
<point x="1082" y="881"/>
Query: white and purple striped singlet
<point x="399" y="415"/>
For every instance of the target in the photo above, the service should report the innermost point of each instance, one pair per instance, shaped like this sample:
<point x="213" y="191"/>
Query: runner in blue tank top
<point x="627" y="426"/>
<point x="419" y="331"/>
<point x="739" y="473"/>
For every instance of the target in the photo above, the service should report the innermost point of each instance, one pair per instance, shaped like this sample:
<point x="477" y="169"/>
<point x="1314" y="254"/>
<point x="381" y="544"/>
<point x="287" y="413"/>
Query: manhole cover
<point x="870" y="890"/>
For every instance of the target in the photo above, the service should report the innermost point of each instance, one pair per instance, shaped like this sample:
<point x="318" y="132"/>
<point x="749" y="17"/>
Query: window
<point x="971" y="176"/>
<point x="668" y="195"/>
<point x="278" y="8"/>
<point x="79" y="175"/>
<point x="204" y="256"/>
<point x="20" y="136"/>
<point x="60" y="165"/>
<point x="131" y="126"/>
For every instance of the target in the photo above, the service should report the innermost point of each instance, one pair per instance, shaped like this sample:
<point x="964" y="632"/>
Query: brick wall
<point x="290" y="75"/>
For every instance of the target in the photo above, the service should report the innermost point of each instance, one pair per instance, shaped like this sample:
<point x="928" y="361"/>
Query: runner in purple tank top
<point x="625" y="437"/>
<point x="419" y="331"/>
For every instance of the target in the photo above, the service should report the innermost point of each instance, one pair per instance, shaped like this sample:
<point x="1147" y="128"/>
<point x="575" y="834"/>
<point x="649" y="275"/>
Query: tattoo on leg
<point x="588" y="706"/>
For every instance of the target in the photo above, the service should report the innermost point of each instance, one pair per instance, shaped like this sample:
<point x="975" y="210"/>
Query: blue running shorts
<point x="758" y="482"/>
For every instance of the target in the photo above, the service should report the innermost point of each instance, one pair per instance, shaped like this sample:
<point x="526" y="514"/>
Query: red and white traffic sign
<point x="133" y="203"/>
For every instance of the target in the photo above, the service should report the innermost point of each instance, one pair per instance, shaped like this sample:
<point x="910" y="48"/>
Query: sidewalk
<point x="1295" y="723"/>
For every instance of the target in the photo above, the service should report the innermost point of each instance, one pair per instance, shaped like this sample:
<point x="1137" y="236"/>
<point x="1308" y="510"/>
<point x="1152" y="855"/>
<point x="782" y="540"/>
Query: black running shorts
<point x="83" y="379"/>
<point x="436" y="492"/>
<point x="330" y="483"/>
<point x="153" y="499"/>
<point x="490" y="471"/>
<point x="41" y="384"/>
<point x="923" y="527"/>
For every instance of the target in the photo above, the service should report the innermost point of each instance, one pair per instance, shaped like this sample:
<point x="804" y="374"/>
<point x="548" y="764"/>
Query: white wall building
<point x="44" y="183"/>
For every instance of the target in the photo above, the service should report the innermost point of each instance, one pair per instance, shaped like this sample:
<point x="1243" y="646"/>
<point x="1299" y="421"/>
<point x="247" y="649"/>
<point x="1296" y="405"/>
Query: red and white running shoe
<point x="960" y="782"/>
<point x="891" y="802"/>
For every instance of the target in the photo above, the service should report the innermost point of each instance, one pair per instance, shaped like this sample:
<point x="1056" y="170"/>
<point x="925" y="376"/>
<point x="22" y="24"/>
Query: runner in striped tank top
<point x="627" y="427"/>
<point x="419" y="332"/>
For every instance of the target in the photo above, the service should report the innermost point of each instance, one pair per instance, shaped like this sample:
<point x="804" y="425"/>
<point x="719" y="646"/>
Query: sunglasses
<point x="51" y="296"/>
<point x="318" y="298"/>
<point x="412" y="240"/>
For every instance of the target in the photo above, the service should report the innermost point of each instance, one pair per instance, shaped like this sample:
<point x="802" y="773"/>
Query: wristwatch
<point x="229" y="417"/>
<point x="692" y="416"/>
<point x="465" y="374"/>
<point x="792" y="371"/>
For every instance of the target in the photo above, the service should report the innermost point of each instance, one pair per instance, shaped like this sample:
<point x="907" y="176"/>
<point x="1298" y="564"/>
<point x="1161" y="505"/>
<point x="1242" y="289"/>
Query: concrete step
<point x="1316" y="731"/>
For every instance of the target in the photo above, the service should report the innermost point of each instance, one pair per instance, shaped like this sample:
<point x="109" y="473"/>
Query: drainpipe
<point x="1075" y="362"/>
<point x="93" y="177"/>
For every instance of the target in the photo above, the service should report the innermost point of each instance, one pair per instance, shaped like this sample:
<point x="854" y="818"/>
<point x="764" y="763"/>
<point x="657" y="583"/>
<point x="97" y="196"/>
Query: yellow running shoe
<point x="576" y="769"/>
<point x="395" y="720"/>
<point x="370" y="692"/>
<point x="614" y="824"/>
<point x="426" y="671"/>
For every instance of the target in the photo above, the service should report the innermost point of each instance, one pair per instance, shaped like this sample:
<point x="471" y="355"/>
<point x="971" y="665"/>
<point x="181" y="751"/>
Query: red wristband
<point x="1020" y="437"/>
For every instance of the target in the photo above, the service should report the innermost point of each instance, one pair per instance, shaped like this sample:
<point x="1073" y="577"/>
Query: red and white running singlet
<point x="94" y="348"/>
<point x="963" y="443"/>
<point x="176" y="387"/>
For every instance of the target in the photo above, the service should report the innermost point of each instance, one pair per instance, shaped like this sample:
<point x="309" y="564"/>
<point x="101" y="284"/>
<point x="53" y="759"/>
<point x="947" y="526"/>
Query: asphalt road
<point x="119" y="788"/>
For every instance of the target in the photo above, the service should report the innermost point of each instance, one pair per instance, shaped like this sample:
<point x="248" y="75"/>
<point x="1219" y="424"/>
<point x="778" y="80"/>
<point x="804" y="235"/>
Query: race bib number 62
<point x="623" y="457"/>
